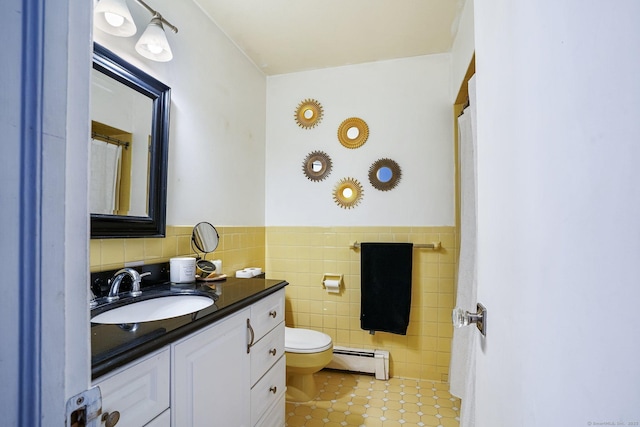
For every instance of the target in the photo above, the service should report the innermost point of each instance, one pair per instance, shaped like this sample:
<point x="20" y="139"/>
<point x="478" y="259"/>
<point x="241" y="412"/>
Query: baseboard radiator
<point x="358" y="360"/>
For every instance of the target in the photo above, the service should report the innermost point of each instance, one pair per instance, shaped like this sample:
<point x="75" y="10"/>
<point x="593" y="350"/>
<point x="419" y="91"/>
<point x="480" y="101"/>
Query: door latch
<point x="84" y="409"/>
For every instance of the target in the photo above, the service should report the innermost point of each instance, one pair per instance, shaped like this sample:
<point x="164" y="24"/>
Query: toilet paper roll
<point x="332" y="286"/>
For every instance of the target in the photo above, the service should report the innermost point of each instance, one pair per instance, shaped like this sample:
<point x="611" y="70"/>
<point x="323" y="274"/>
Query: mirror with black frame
<point x="129" y="149"/>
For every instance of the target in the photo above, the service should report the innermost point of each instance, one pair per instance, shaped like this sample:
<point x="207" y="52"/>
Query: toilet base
<point x="301" y="388"/>
<point x="301" y="385"/>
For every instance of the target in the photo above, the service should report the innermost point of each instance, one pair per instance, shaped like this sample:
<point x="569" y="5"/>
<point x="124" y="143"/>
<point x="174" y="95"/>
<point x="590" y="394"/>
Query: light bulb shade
<point x="114" y="17"/>
<point x="153" y="43"/>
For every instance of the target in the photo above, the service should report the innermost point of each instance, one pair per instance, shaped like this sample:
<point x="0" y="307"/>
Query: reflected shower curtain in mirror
<point x="105" y="177"/>
<point x="462" y="370"/>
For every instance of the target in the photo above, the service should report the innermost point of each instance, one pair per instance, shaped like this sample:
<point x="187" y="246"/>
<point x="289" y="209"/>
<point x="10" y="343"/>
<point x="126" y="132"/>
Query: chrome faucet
<point x="117" y="279"/>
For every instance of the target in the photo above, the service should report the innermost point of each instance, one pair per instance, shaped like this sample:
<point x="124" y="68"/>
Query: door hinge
<point x="84" y="409"/>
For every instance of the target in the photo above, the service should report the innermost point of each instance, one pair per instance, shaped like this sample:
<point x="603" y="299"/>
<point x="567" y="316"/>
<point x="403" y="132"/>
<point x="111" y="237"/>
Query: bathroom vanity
<point x="221" y="366"/>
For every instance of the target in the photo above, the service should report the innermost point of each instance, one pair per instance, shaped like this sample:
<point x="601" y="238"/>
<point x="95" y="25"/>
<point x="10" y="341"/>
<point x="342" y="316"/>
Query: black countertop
<point x="113" y="346"/>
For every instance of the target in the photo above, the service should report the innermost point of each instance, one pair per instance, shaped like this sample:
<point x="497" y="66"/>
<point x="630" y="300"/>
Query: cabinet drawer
<point x="140" y="392"/>
<point x="268" y="390"/>
<point x="267" y="313"/>
<point x="162" y="420"/>
<point x="275" y="416"/>
<point x="266" y="352"/>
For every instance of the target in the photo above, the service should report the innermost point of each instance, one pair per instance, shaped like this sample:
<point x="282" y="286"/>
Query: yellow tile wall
<point x="239" y="247"/>
<point x="301" y="255"/>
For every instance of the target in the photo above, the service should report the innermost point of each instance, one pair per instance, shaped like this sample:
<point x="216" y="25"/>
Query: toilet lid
<point x="297" y="340"/>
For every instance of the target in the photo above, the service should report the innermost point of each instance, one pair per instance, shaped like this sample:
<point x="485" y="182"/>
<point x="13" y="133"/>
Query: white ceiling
<point x="285" y="36"/>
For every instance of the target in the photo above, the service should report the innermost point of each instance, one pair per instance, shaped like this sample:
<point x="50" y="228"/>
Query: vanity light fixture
<point x="113" y="17"/>
<point x="153" y="43"/>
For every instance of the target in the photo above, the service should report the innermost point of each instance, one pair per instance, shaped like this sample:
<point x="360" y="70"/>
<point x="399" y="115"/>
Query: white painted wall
<point x="407" y="106"/>
<point x="218" y="109"/>
<point x="558" y="209"/>
<point x="463" y="48"/>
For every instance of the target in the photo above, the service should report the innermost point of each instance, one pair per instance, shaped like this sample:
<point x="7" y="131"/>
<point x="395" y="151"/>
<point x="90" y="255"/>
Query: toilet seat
<point x="305" y="341"/>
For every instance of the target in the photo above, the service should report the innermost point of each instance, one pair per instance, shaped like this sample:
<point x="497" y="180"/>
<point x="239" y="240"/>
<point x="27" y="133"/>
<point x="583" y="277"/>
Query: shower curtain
<point x="466" y="339"/>
<point x="105" y="177"/>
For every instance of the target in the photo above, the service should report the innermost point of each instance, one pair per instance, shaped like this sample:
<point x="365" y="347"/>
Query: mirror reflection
<point x="316" y="166"/>
<point x="384" y="174"/>
<point x="205" y="237"/>
<point x="353" y="133"/>
<point x="120" y="137"/>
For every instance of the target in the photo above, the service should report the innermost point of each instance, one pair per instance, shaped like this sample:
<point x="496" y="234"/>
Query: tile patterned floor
<point x="346" y="400"/>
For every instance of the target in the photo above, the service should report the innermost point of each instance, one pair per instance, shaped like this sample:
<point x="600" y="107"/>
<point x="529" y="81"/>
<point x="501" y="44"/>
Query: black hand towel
<point x="385" y="273"/>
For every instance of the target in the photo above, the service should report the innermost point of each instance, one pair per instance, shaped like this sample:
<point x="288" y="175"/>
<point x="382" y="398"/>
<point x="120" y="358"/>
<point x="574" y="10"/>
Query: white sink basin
<point x="154" y="309"/>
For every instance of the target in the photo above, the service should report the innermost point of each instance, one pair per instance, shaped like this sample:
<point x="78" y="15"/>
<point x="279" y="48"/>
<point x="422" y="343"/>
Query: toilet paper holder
<point x="335" y="281"/>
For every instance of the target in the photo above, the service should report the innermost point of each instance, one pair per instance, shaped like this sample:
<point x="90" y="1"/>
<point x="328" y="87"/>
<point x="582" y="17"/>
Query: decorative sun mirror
<point x="309" y="113"/>
<point x="353" y="132"/>
<point x="347" y="193"/>
<point x="317" y="166"/>
<point x="384" y="174"/>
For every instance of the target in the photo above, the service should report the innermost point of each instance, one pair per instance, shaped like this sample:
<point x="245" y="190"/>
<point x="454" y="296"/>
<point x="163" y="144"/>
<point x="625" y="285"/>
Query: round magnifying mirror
<point x="205" y="237"/>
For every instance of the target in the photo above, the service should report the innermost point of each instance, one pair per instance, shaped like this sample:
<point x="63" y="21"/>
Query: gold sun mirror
<point x="317" y="166"/>
<point x="308" y="114"/>
<point x="384" y="174"/>
<point x="353" y="132"/>
<point x="347" y="193"/>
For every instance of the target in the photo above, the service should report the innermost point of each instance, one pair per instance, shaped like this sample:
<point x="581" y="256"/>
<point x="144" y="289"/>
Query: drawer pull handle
<point x="110" y="419"/>
<point x="253" y="336"/>
<point x="273" y="351"/>
<point x="273" y="389"/>
<point x="273" y="313"/>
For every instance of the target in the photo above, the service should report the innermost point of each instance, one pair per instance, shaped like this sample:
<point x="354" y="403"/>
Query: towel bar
<point x="435" y="245"/>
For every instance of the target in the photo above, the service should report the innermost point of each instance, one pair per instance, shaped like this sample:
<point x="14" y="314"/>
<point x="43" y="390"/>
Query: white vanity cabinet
<point x="232" y="373"/>
<point x="210" y="375"/>
<point x="268" y="378"/>
<point x="139" y="393"/>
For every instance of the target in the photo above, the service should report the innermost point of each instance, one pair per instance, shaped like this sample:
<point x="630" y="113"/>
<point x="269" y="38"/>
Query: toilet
<point x="306" y="352"/>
